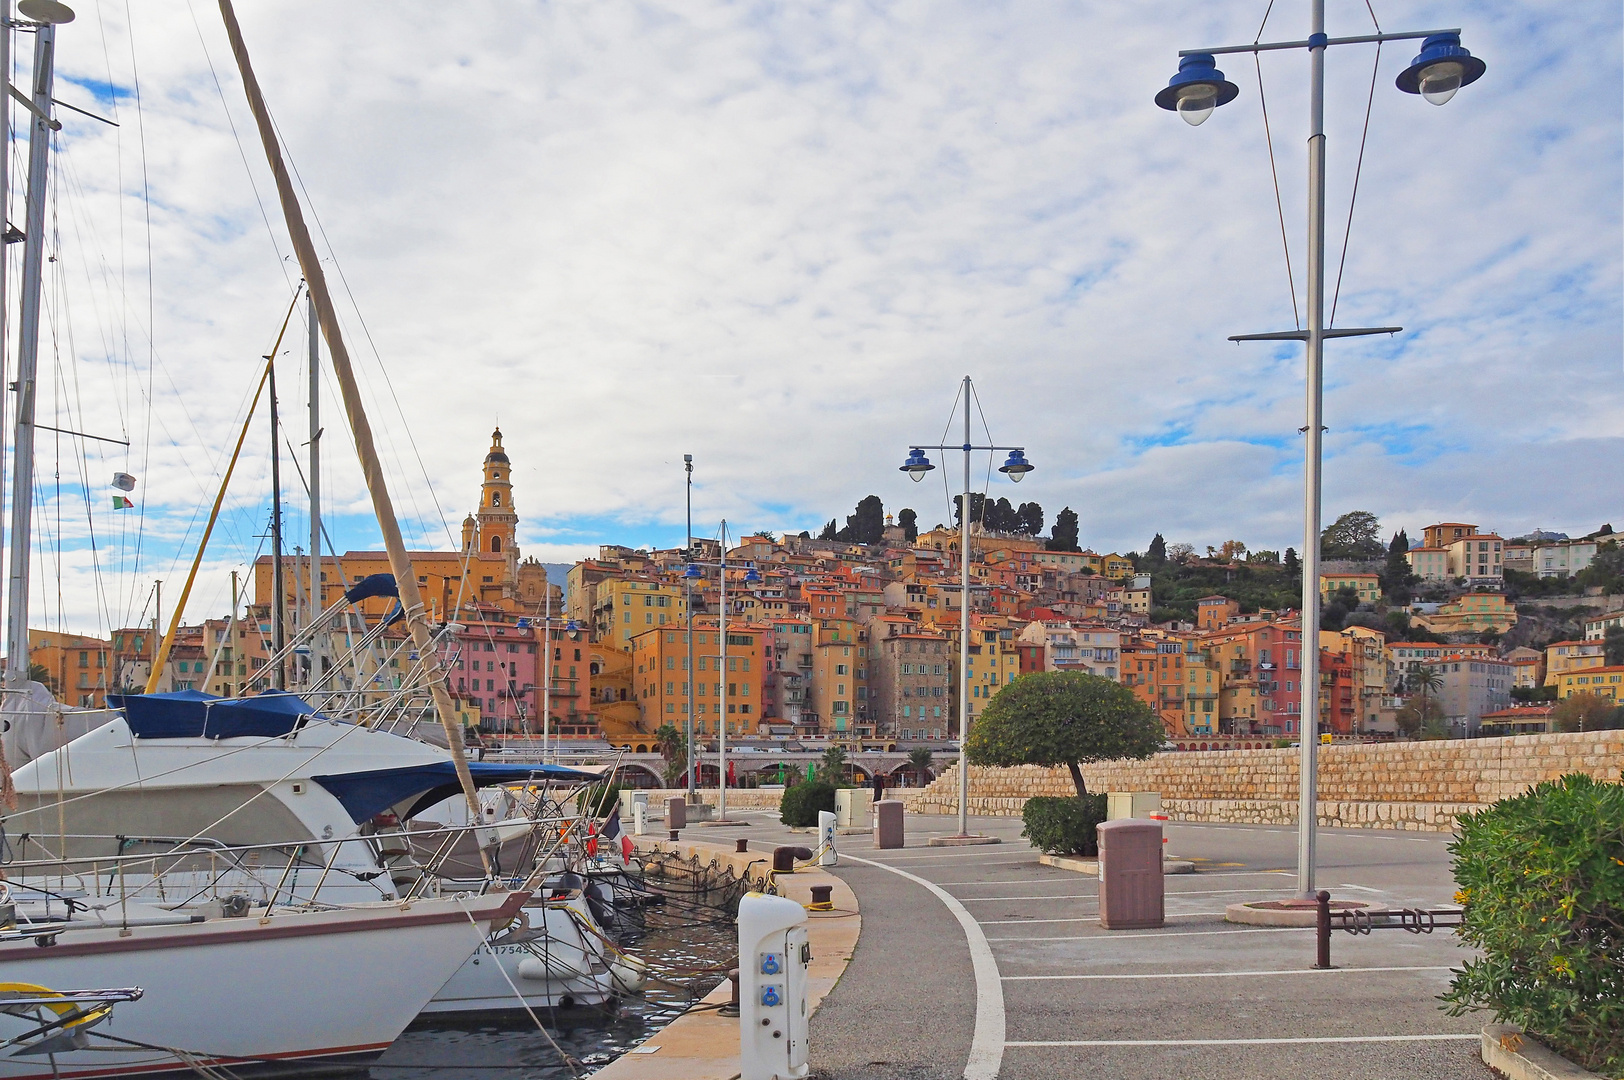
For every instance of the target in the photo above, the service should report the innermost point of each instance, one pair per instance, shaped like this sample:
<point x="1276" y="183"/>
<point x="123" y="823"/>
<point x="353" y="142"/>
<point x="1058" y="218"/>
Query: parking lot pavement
<point x="1198" y="997"/>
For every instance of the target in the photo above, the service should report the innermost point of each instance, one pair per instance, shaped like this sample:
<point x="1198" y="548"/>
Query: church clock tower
<point x="498" y="520"/>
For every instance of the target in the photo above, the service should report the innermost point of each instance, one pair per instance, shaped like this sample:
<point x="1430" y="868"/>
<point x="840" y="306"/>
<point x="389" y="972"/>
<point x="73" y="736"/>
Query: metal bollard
<point x="821" y="898"/>
<point x="784" y="858"/>
<point x="1323" y="928"/>
<point x="741" y="845"/>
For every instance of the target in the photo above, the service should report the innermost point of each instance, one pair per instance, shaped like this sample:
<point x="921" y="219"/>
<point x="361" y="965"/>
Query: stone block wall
<point x="1408" y="785"/>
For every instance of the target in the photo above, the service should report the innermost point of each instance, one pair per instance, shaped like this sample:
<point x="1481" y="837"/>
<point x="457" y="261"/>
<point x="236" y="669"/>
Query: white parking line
<point x="1214" y="974"/>
<point x="987" y="1044"/>
<point x="1176" y="933"/>
<point x="1095" y="896"/>
<point x="1251" y="1042"/>
<point x="1091" y="918"/>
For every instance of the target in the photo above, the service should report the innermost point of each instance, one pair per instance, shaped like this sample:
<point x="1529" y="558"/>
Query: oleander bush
<point x="599" y="799"/>
<point x="1541" y="880"/>
<point x="800" y="805"/>
<point x="1064" y="826"/>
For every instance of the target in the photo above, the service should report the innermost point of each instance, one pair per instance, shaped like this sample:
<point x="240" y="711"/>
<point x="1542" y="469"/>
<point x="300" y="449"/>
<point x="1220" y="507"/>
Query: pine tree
<point x="867" y="524"/>
<point x="1063" y="537"/>
<point x="1158" y="550"/>
<point x="1031" y="518"/>
<point x="828" y="532"/>
<point x="910" y="524"/>
<point x="1398" y="579"/>
<point x="1293" y="565"/>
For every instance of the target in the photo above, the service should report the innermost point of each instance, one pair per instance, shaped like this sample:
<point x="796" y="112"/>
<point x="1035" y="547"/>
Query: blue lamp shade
<point x="917" y="465"/>
<point x="572" y="626"/>
<point x="692" y="573"/>
<point x="1442" y="68"/>
<point x="751" y="576"/>
<point x="1197" y="89"/>
<point x="1016" y="467"/>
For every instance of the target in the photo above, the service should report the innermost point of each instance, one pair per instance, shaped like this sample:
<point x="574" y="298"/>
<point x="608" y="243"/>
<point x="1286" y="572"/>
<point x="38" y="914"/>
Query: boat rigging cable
<point x="156" y="674"/>
<point x="405" y="577"/>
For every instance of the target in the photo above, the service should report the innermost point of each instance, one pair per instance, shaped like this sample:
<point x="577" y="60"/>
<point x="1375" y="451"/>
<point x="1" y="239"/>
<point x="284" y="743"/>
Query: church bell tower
<point x="498" y="520"/>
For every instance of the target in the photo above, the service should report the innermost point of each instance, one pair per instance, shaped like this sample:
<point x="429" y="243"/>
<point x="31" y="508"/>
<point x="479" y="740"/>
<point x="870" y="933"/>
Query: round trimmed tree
<point x="1063" y="718"/>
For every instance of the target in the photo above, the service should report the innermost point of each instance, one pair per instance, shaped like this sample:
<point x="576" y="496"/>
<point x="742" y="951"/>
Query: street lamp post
<point x="1441" y="68"/>
<point x="751" y="576"/>
<point x="688" y="600"/>
<point x="1016" y="467"/>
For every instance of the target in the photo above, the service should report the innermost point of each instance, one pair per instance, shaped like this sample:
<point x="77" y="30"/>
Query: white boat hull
<point x="255" y="995"/>
<point x="555" y="965"/>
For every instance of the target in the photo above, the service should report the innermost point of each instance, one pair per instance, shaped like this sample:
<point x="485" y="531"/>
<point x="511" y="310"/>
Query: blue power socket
<point x="770" y="996"/>
<point x="770" y="964"/>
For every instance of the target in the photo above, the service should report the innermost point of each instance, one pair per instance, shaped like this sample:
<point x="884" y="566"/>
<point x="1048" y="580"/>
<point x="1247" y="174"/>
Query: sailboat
<point x="232" y="807"/>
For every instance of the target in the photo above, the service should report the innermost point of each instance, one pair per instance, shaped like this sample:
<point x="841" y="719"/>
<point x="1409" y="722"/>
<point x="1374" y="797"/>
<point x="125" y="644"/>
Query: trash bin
<point x="888" y="824"/>
<point x="1130" y="874"/>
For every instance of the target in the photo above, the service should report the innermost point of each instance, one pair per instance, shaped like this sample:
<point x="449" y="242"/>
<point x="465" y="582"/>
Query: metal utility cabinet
<point x="1130" y="874"/>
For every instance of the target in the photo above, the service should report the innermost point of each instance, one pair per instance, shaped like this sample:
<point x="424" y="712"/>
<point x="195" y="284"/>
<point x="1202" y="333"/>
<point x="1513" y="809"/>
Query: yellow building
<point x="75" y="666"/>
<point x="487" y="570"/>
<point x="1471" y="613"/>
<point x="1605" y="682"/>
<point x="1562" y="657"/>
<point x="1367" y="586"/>
<point x="660" y="678"/>
<point x="627" y="607"/>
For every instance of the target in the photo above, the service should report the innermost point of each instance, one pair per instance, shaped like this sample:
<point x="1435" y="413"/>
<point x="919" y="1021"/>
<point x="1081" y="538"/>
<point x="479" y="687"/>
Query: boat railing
<point x="178" y="872"/>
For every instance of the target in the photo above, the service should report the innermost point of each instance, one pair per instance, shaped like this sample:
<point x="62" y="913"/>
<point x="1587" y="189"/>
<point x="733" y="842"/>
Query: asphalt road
<point x="1197" y="998"/>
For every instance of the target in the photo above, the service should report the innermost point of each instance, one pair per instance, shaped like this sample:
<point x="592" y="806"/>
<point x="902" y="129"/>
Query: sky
<point x="777" y="236"/>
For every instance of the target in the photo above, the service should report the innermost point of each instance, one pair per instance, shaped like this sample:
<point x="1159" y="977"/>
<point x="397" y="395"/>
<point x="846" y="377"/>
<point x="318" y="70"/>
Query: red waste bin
<point x="1130" y="874"/>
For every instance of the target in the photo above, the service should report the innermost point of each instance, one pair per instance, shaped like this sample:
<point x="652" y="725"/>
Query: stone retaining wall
<point x="1409" y="785"/>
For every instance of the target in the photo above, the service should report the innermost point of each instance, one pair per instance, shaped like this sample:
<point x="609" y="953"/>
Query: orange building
<point x="1214" y="612"/>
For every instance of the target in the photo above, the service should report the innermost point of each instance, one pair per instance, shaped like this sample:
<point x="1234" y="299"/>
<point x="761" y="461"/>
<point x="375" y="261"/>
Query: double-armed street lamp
<point x="1015" y="467"/>
<point x="1441" y="68"/>
<point x="690" y="575"/>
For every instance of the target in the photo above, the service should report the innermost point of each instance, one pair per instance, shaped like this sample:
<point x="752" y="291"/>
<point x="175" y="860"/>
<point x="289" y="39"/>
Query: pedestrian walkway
<point x="1196" y="998"/>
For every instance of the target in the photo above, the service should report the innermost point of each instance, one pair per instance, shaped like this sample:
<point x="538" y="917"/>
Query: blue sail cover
<point x="191" y="714"/>
<point x="366" y="794"/>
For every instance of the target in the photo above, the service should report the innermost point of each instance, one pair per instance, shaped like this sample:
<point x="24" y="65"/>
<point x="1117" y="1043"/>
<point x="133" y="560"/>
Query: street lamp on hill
<point x="689" y="575"/>
<point x="1015" y="467"/>
<point x="1441" y="68"/>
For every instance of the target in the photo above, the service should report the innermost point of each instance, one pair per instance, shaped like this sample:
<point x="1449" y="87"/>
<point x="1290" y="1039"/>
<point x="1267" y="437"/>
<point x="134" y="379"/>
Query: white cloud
<point x="775" y="237"/>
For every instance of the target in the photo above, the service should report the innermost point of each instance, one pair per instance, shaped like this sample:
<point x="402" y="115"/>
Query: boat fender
<point x="628" y="974"/>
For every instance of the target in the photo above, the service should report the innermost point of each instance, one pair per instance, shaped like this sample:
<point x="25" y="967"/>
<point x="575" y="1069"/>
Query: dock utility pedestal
<point x="773" y="960"/>
<point x="1131" y="895"/>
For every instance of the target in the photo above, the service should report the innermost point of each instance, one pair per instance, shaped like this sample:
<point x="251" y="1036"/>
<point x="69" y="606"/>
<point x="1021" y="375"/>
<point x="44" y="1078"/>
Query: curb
<point x="961" y="841"/>
<point x="1254" y="916"/>
<point x="1508" y="1051"/>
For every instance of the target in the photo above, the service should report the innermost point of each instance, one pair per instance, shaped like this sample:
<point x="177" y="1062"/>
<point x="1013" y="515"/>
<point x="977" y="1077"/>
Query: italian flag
<point x="121" y="503"/>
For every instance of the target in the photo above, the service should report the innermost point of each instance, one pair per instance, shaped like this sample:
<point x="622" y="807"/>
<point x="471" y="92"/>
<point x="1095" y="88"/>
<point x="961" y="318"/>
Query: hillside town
<point x="851" y="637"/>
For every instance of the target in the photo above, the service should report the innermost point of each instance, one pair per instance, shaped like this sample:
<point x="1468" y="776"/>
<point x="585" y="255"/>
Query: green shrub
<point x="599" y="799"/>
<point x="1542" y="882"/>
<point x="801" y="803"/>
<point x="1064" y="826"/>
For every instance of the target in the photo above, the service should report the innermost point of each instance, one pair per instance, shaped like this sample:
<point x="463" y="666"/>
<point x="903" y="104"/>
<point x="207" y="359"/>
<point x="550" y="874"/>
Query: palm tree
<point x="921" y="760"/>
<point x="1425" y="679"/>
<point x="668" y="740"/>
<point x="834" y="764"/>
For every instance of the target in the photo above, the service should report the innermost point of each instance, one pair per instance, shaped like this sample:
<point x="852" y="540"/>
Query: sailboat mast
<point x="22" y="481"/>
<point x="317" y="641"/>
<point x="5" y="205"/>
<point x="411" y="599"/>
<point x="279" y="634"/>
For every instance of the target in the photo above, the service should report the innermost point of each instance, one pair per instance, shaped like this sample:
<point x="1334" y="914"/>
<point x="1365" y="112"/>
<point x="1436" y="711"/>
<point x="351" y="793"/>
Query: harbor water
<point x="684" y="951"/>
